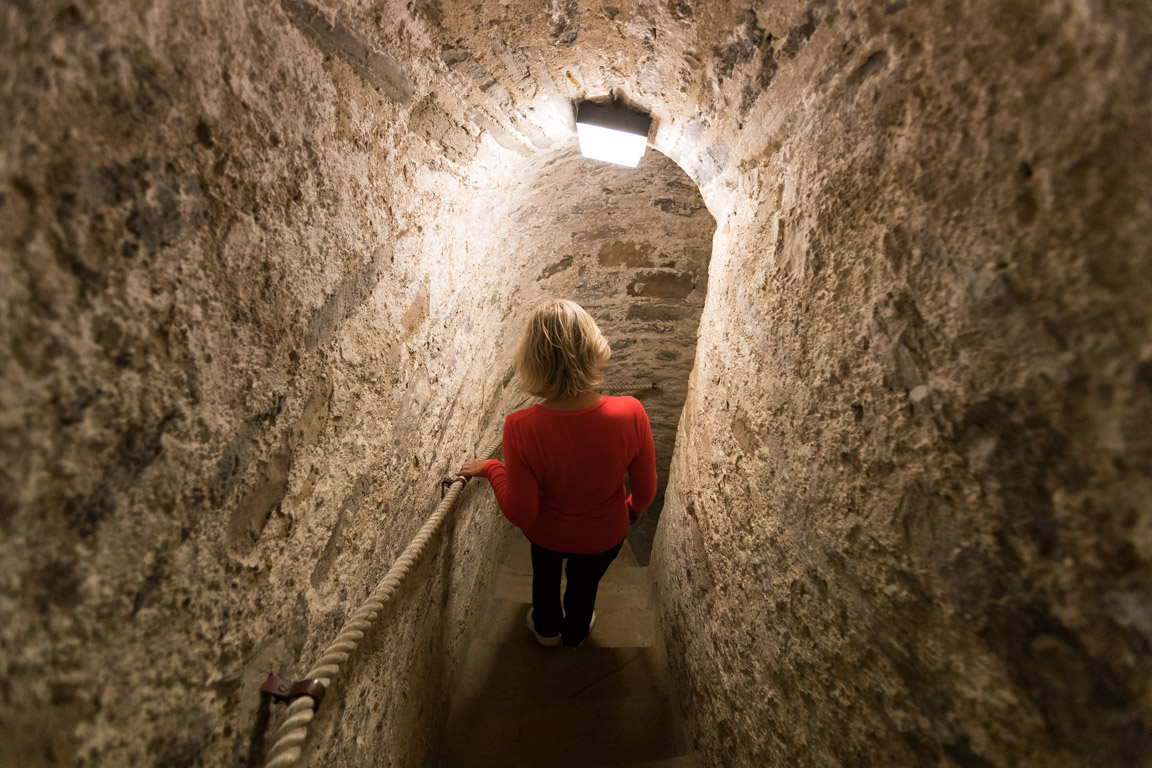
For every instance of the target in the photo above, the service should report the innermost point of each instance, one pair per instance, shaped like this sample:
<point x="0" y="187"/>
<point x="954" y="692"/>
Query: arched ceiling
<point x="512" y="71"/>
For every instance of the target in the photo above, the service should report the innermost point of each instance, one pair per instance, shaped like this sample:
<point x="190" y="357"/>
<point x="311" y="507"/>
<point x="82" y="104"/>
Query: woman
<point x="562" y="480"/>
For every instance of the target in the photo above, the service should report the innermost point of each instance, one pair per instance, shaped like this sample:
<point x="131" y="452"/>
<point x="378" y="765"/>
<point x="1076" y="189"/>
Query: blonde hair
<point x="562" y="353"/>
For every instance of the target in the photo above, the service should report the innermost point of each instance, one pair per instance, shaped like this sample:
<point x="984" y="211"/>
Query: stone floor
<point x="519" y="705"/>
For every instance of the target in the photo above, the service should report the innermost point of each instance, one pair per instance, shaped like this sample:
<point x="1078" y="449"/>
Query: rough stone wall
<point x="238" y="301"/>
<point x="908" y="522"/>
<point x="257" y="302"/>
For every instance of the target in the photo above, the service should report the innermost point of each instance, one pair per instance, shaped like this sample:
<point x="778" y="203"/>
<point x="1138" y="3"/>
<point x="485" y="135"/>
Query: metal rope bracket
<point x="446" y="483"/>
<point x="285" y="694"/>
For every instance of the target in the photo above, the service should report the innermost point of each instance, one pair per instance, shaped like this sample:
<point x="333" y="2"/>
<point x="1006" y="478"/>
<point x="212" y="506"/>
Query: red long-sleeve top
<point x="562" y="480"/>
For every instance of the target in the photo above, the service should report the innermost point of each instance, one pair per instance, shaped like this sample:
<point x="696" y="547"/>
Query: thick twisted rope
<point x="292" y="732"/>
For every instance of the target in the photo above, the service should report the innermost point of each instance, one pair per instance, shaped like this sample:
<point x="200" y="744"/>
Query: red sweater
<point x="562" y="480"/>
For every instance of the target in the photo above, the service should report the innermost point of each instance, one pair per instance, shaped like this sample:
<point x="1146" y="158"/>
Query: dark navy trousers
<point x="584" y="573"/>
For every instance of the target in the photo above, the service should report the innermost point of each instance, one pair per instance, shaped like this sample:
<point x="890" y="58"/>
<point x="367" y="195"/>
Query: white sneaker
<point x="547" y="642"/>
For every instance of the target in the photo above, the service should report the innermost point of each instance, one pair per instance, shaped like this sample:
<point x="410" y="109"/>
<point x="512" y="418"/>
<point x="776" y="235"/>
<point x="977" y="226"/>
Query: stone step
<point x="612" y="595"/>
<point x="623" y="570"/>
<point x="518" y="555"/>
<point x="559" y="732"/>
<point x="617" y="625"/>
<point x="516" y="704"/>
<point x="512" y="673"/>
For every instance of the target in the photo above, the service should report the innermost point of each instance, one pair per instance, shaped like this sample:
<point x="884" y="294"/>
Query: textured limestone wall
<point x="239" y="295"/>
<point x="258" y="299"/>
<point x="908" y="522"/>
<point x="248" y="254"/>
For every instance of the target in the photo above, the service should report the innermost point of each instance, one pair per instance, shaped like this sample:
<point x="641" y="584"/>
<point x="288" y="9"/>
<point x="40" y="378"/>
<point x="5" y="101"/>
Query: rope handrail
<point x="290" y="736"/>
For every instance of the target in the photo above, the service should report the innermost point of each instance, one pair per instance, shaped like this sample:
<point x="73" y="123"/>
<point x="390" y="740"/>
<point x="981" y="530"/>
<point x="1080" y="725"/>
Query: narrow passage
<point x="606" y="703"/>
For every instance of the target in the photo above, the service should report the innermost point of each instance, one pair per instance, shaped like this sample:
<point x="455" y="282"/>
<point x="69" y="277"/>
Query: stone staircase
<point x="605" y="704"/>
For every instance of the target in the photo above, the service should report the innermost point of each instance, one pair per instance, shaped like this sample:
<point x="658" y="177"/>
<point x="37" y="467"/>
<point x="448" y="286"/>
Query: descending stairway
<point x="605" y="704"/>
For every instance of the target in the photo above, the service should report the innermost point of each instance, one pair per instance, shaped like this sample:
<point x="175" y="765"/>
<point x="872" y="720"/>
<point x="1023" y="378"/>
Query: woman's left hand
<point x="473" y="468"/>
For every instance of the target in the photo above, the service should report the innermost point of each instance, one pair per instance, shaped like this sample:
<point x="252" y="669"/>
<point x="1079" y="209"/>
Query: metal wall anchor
<point x="284" y="693"/>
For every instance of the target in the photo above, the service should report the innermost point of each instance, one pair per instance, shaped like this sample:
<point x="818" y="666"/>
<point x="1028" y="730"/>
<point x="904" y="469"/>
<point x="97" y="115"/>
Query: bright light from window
<point x="611" y="146"/>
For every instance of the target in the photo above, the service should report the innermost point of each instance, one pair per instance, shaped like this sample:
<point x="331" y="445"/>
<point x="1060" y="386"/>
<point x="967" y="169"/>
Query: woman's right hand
<point x="472" y="468"/>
